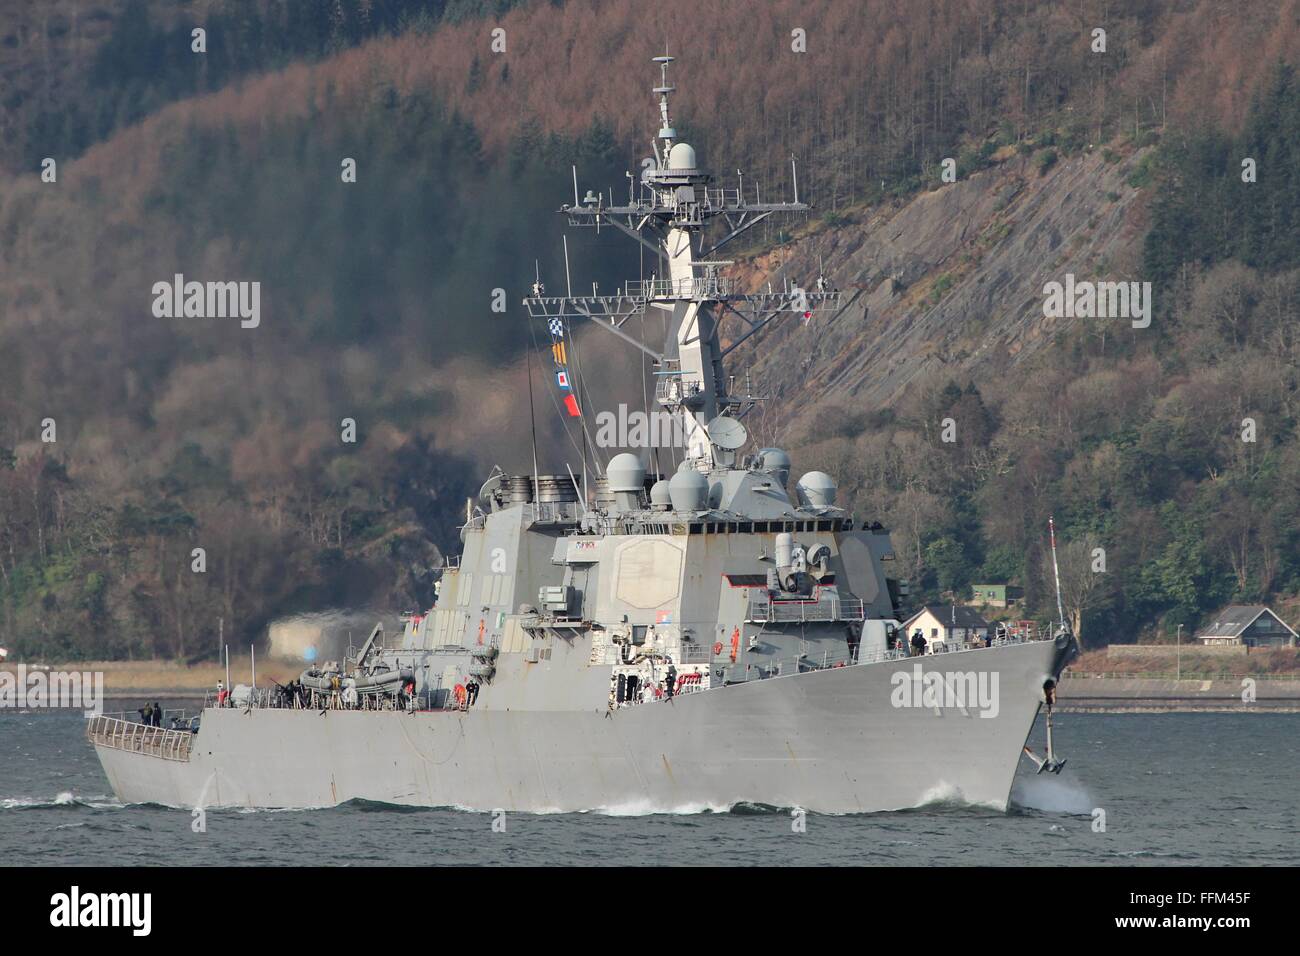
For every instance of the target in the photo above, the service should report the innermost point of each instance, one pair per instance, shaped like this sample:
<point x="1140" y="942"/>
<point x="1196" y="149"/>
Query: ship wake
<point x="64" y="798"/>
<point x="1052" y="794"/>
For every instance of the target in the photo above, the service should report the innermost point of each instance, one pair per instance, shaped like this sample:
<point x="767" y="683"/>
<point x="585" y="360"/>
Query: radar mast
<point x="671" y="212"/>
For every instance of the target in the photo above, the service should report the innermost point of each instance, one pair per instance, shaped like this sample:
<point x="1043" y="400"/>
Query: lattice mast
<point x="670" y="211"/>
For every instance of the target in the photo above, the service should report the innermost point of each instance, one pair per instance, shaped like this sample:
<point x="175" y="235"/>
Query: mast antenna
<point x="672" y="207"/>
<point x="1056" y="571"/>
<point x="568" y="285"/>
<point x="532" y="419"/>
<point x="666" y="131"/>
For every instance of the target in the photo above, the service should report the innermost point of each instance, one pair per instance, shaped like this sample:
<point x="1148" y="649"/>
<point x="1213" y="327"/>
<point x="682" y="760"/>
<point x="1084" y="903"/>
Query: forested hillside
<point x="75" y="72"/>
<point x="176" y="434"/>
<point x="1133" y="438"/>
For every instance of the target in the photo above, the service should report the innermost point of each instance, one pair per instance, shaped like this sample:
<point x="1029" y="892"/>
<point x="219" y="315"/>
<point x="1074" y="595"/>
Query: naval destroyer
<point x="698" y="638"/>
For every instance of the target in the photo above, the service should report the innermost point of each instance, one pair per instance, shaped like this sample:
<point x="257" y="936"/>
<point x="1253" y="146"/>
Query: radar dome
<point x="660" y="495"/>
<point x="776" y="463"/>
<point x="816" y="490"/>
<point x="681" y="156"/>
<point x="688" y="490"/>
<point x="625" y="473"/>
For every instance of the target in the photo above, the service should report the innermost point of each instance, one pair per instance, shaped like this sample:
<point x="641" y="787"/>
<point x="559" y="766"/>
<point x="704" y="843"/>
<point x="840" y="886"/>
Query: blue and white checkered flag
<point x="557" y="327"/>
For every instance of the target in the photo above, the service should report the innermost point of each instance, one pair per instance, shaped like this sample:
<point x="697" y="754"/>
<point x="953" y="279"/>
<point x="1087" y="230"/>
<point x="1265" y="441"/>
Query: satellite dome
<point x="776" y="463"/>
<point x="688" y="490"/>
<point x="625" y="473"/>
<point x="816" y="489"/>
<point x="660" y="495"/>
<point x="681" y="156"/>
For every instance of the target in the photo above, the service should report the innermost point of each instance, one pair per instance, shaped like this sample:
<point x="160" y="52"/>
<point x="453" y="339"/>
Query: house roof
<point x="944" y="613"/>
<point x="1235" y="618"/>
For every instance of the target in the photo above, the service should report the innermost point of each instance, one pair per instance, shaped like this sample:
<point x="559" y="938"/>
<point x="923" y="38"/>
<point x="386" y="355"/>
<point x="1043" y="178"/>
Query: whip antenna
<point x="532" y="419"/>
<point x="1056" y="571"/>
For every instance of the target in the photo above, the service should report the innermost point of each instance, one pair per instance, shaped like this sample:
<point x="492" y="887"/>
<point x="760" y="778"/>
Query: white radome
<point x="681" y="156"/>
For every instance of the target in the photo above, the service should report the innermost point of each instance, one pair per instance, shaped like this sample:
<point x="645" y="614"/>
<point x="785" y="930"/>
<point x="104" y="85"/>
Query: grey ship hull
<point x="827" y="741"/>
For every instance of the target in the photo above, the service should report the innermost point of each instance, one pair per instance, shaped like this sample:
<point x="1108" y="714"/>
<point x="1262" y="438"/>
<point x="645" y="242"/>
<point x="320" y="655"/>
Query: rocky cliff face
<point x="948" y="284"/>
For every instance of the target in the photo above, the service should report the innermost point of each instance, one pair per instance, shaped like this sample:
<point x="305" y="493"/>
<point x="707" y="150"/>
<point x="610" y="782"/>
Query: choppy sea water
<point x="1175" y="789"/>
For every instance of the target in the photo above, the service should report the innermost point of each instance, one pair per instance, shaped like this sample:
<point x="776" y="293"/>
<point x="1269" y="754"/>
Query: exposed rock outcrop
<point x="949" y="283"/>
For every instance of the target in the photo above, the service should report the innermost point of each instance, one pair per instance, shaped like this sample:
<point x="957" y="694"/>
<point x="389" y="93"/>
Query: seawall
<point x="1120" y="694"/>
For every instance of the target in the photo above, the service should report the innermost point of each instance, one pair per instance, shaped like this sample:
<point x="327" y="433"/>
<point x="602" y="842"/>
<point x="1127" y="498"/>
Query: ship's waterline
<point x="828" y="741"/>
<point x="1144" y="771"/>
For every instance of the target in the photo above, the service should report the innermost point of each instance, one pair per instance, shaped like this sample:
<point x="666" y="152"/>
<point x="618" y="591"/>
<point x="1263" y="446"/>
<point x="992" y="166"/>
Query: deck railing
<point x="695" y="653"/>
<point x="826" y="608"/>
<point x="672" y="388"/>
<point x="139" y="738"/>
<point x="809" y="661"/>
<point x="705" y="286"/>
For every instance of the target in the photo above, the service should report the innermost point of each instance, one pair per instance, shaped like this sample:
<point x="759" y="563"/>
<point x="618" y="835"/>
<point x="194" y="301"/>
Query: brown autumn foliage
<point x="174" y="435"/>
<point x="881" y="79"/>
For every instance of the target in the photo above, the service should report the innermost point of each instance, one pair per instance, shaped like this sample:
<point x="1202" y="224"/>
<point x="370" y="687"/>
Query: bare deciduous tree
<point x="1083" y="587"/>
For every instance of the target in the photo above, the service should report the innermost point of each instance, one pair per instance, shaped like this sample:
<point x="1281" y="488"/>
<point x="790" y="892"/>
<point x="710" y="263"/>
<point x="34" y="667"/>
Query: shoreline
<point x="129" y="684"/>
<point x="129" y="680"/>
<point x="1096" y="693"/>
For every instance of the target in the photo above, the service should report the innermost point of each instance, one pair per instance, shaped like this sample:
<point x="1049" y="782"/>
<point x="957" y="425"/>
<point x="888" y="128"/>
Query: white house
<point x="951" y="625"/>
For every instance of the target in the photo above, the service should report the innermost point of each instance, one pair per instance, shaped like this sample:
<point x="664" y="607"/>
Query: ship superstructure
<point x="692" y="637"/>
